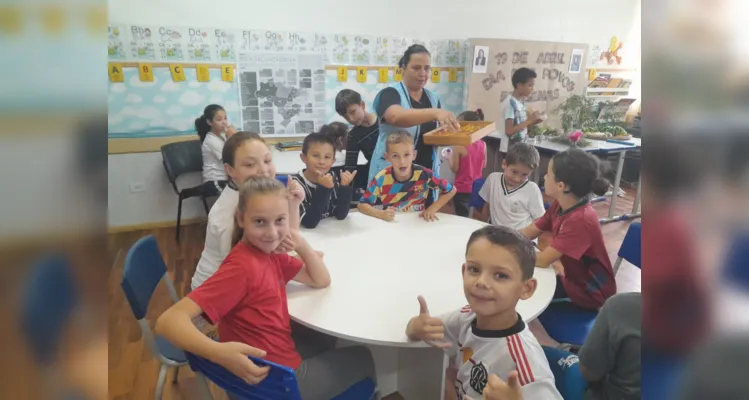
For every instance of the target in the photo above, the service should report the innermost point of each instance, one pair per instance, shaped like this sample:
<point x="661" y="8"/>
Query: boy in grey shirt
<point x="610" y="357"/>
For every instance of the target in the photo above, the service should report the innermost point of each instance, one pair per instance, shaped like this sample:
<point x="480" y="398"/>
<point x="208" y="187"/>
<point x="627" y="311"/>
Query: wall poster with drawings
<point x="281" y="94"/>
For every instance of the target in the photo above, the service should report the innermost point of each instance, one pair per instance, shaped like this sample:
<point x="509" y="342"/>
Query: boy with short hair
<point x="511" y="199"/>
<point x="515" y="121"/>
<point x="362" y="137"/>
<point x="325" y="194"/>
<point x="488" y="337"/>
<point x="404" y="186"/>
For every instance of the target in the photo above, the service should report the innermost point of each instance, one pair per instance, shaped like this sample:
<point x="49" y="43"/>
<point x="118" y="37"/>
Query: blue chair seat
<point x="568" y="323"/>
<point x="363" y="390"/>
<point x="169" y="351"/>
<point x="567" y="376"/>
<point x="660" y="375"/>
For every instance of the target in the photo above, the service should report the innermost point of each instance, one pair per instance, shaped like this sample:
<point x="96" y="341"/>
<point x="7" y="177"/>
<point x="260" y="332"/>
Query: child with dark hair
<point x="515" y="121"/>
<point x="488" y="337"/>
<point x="577" y="251"/>
<point x="362" y="137"/>
<point x="326" y="194"/>
<point x="467" y="162"/>
<point x="213" y="129"/>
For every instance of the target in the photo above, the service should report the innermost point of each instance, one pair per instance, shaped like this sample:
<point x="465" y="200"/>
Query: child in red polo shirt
<point x="247" y="298"/>
<point x="577" y="251"/>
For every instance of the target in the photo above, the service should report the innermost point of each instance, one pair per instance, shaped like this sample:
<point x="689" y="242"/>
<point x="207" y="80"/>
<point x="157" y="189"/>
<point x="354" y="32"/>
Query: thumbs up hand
<point x="497" y="389"/>
<point x="425" y="327"/>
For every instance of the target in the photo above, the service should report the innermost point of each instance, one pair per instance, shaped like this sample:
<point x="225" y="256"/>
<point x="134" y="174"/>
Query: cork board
<point x="552" y="62"/>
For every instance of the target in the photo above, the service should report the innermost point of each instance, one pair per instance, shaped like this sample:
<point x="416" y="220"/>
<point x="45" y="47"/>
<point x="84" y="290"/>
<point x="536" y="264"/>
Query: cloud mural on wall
<point x="168" y="108"/>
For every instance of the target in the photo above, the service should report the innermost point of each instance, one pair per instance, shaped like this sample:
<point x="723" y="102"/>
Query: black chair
<point x="181" y="158"/>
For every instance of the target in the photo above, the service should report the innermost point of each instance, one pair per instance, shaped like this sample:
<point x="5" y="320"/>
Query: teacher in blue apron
<point x="408" y="106"/>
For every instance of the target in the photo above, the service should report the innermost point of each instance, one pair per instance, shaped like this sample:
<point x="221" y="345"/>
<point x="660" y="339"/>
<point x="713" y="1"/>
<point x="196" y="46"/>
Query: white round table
<point x="378" y="268"/>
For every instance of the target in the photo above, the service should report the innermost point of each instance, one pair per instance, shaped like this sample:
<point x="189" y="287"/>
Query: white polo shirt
<point x="218" y="235"/>
<point x="514" y="109"/>
<point x="213" y="164"/>
<point x="477" y="353"/>
<point x="515" y="208"/>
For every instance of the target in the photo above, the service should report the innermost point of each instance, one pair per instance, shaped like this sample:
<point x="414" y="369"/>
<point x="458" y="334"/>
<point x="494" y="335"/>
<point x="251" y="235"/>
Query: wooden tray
<point x="602" y="136"/>
<point x="477" y="129"/>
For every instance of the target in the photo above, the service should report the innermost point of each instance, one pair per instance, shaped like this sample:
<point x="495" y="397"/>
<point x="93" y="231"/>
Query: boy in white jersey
<point x="488" y="337"/>
<point x="511" y="199"/>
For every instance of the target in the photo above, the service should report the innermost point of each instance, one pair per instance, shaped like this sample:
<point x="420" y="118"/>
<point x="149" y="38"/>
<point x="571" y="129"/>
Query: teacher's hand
<point x="447" y="119"/>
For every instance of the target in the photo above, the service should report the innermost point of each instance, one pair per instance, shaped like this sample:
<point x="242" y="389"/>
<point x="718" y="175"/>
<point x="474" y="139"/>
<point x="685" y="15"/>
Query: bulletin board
<point x="560" y="69"/>
<point x="278" y="83"/>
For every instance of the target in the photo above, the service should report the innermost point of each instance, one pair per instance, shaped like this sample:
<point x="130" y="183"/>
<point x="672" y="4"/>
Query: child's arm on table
<point x="368" y="209"/>
<point x="314" y="273"/>
<point x="175" y="325"/>
<point x="447" y="192"/>
<point x="368" y="200"/>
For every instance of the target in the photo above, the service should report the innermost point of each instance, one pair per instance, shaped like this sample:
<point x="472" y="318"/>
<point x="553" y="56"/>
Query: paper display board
<point x="551" y="61"/>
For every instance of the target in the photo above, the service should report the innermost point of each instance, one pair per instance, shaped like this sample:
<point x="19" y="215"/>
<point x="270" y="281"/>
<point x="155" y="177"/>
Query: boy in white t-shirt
<point x="488" y="336"/>
<point x="511" y="199"/>
<point x="515" y="121"/>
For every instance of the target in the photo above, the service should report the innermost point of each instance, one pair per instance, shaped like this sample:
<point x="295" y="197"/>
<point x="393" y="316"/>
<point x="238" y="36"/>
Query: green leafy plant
<point x="577" y="112"/>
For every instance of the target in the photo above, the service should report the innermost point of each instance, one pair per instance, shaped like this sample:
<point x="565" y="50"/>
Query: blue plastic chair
<point x="144" y="268"/>
<point x="736" y="269"/>
<point x="631" y="248"/>
<point x="280" y="384"/>
<point x="476" y="200"/>
<point x="567" y="323"/>
<point x="567" y="376"/>
<point x="660" y="375"/>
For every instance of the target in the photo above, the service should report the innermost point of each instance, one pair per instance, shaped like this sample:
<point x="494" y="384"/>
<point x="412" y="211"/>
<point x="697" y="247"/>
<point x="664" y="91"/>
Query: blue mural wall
<point x="167" y="108"/>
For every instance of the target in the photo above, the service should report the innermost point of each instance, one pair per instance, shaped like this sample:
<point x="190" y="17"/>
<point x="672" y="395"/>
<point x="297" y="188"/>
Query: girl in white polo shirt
<point x="245" y="155"/>
<point x="213" y="129"/>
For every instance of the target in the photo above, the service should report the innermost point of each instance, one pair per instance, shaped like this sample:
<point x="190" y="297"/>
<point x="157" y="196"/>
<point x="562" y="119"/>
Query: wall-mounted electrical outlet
<point x="137" y="187"/>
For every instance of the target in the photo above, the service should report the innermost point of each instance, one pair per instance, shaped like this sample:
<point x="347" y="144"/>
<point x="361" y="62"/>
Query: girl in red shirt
<point x="577" y="251"/>
<point x="246" y="297"/>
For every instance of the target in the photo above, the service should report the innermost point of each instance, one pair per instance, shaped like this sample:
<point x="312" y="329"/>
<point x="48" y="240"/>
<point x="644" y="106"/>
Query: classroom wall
<point x="585" y="21"/>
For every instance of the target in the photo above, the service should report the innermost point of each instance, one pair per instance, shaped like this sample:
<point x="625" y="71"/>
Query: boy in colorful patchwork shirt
<point x="404" y="186"/>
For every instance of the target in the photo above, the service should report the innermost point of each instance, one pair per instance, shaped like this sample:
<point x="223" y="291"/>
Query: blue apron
<point x="378" y="162"/>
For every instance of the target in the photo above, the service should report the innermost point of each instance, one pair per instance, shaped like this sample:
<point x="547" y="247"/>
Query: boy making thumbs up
<point x="488" y="338"/>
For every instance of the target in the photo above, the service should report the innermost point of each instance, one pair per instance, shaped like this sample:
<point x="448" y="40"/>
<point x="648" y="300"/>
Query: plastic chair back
<point x="280" y="384"/>
<point x="182" y="157"/>
<point x="476" y="200"/>
<point x="567" y="376"/>
<point x="736" y="269"/>
<point x="631" y="249"/>
<point x="49" y="297"/>
<point x="144" y="268"/>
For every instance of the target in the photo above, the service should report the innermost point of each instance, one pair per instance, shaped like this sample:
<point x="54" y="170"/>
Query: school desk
<point x="377" y="270"/>
<point x="290" y="162"/>
<point x="598" y="147"/>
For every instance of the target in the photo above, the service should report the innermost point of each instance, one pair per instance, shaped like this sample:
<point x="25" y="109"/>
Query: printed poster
<point x="321" y="46"/>
<point x="360" y="54"/>
<point x="282" y="94"/>
<point x="340" y="49"/>
<point x="399" y="47"/>
<point x="480" y="59"/>
<point x="169" y="42"/>
<point x="453" y="52"/>
<point x="116" y="49"/>
<point x="381" y="51"/>
<point x="142" y="45"/>
<point x="226" y="42"/>
<point x="199" y="46"/>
